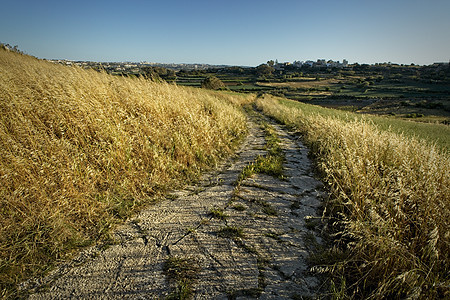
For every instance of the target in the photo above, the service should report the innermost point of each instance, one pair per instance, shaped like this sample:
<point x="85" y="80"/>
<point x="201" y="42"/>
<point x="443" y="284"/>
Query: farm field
<point x="394" y="91"/>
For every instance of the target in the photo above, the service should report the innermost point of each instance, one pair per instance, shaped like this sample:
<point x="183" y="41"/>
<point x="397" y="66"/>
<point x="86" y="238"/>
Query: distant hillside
<point x="80" y="150"/>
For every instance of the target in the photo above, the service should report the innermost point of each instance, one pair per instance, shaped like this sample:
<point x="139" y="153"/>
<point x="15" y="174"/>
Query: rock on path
<point x="265" y="257"/>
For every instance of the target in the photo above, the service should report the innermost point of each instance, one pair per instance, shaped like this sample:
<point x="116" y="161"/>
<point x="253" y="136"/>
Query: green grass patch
<point x="267" y="208"/>
<point x="218" y="213"/>
<point x="183" y="272"/>
<point x="271" y="163"/>
<point x="239" y="207"/>
<point x="230" y="232"/>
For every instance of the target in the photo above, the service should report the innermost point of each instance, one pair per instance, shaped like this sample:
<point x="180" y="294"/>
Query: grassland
<point x="388" y="209"/>
<point x="82" y="150"/>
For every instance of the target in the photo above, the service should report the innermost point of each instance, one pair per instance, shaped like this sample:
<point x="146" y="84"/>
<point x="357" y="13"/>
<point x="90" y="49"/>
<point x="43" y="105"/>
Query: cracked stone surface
<point x="269" y="260"/>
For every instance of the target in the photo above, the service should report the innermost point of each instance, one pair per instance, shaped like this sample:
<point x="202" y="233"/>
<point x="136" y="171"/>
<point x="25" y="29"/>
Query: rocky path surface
<point x="214" y="240"/>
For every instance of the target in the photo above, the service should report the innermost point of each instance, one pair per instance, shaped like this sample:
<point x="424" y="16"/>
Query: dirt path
<point x="214" y="240"/>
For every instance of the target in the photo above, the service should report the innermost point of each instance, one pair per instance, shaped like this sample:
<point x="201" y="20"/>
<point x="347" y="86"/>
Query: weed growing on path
<point x="183" y="273"/>
<point x="239" y="207"/>
<point x="231" y="232"/>
<point x="270" y="164"/>
<point x="218" y="213"/>
<point x="267" y="208"/>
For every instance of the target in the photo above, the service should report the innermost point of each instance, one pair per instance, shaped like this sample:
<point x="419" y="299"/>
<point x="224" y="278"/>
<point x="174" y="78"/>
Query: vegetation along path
<point x="244" y="230"/>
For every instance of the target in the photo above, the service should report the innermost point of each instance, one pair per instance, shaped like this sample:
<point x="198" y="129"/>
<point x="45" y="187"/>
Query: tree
<point x="212" y="83"/>
<point x="157" y="73"/>
<point x="271" y="63"/>
<point x="264" y="69"/>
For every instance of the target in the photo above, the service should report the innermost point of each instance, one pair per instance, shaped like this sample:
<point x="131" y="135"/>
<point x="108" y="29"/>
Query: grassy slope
<point x="438" y="134"/>
<point x="389" y="204"/>
<point x="80" y="150"/>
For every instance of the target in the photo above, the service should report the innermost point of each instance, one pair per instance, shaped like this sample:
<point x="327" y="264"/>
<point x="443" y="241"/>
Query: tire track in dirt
<point x="241" y="250"/>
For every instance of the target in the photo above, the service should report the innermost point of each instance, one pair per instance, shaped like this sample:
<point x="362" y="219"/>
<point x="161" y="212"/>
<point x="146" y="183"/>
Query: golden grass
<point x="389" y="206"/>
<point x="80" y="150"/>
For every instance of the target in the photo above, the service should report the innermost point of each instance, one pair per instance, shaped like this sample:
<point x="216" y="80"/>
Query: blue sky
<point x="246" y="32"/>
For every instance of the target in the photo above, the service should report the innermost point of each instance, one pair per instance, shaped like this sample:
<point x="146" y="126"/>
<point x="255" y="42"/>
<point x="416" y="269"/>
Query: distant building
<point x="280" y="66"/>
<point x="309" y="63"/>
<point x="298" y="64"/>
<point x="321" y="63"/>
<point x="334" y="64"/>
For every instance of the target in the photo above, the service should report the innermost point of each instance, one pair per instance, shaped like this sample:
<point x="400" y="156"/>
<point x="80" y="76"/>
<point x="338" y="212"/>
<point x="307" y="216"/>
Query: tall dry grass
<point x="80" y="150"/>
<point x="389" y="207"/>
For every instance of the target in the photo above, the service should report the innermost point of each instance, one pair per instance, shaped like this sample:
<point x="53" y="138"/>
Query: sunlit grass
<point x="81" y="150"/>
<point x="389" y="207"/>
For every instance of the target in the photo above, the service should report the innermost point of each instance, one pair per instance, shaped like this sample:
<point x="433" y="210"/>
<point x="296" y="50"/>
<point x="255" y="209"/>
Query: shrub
<point x="212" y="83"/>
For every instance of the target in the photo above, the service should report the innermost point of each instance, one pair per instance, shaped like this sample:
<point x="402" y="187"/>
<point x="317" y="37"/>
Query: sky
<point x="230" y="32"/>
